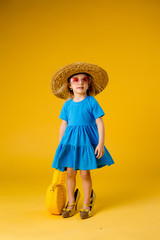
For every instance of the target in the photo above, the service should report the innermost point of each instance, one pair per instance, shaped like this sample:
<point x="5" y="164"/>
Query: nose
<point x="81" y="81"/>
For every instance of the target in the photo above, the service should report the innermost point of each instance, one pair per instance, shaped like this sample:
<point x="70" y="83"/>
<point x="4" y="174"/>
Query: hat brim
<point x="59" y="80"/>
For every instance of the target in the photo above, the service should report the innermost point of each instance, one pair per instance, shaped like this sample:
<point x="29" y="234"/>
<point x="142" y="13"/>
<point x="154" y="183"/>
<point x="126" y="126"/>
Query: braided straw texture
<point x="59" y="80"/>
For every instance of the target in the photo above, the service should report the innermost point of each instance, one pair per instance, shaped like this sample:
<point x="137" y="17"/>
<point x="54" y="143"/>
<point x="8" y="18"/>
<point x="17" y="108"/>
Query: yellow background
<point x="37" y="38"/>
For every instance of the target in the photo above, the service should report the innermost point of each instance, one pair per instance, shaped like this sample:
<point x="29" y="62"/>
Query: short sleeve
<point x="96" y="108"/>
<point x="63" y="113"/>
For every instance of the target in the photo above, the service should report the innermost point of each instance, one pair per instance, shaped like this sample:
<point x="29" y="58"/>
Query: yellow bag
<point x="56" y="193"/>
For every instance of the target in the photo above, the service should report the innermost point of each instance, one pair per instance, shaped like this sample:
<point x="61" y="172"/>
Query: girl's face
<point x="79" y="83"/>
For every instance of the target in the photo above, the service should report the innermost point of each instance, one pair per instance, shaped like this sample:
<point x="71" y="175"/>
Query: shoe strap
<point x="72" y="204"/>
<point x="66" y="209"/>
<point x="91" y="204"/>
<point x="84" y="210"/>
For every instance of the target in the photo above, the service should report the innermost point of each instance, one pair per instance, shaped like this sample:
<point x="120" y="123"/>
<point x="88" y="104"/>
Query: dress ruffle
<point x="77" y="149"/>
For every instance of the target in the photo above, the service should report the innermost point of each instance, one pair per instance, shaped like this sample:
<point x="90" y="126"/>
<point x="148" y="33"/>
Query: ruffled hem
<point x="79" y="157"/>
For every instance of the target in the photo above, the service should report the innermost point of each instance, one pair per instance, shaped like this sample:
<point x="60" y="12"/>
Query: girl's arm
<point x="62" y="129"/>
<point x="101" y="132"/>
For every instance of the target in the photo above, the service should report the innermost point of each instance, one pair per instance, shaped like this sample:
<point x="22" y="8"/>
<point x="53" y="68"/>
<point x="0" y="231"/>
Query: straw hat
<point x="59" y="80"/>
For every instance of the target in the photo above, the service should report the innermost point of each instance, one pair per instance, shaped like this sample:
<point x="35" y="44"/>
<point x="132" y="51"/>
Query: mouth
<point x="80" y="87"/>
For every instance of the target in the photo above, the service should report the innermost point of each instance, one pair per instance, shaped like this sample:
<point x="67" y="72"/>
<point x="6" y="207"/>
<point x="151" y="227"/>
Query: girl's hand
<point x="100" y="149"/>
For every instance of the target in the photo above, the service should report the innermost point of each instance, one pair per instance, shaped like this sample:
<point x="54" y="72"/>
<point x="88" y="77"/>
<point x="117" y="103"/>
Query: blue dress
<point x="77" y="146"/>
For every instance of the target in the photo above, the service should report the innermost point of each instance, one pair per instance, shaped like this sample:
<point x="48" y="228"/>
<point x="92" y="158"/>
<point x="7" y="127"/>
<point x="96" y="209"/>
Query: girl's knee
<point x="71" y="173"/>
<point x="85" y="174"/>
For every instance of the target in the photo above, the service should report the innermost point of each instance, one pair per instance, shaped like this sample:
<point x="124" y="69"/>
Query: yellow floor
<point x="124" y="215"/>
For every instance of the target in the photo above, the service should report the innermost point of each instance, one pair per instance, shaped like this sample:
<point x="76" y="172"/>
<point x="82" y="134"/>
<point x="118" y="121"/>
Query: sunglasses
<point x="76" y="80"/>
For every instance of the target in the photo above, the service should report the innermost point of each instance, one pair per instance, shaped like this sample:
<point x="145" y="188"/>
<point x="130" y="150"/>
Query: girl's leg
<point x="87" y="186"/>
<point x="71" y="183"/>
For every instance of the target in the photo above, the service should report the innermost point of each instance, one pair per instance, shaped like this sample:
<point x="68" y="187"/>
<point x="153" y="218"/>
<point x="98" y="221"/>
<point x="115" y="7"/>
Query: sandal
<point x="85" y="213"/>
<point x="66" y="212"/>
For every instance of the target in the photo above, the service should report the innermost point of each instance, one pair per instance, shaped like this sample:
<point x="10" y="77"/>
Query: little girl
<point x="82" y="133"/>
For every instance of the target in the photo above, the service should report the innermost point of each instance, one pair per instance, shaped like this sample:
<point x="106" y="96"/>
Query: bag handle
<point x="58" y="178"/>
